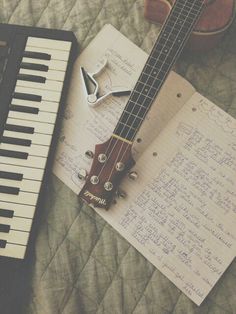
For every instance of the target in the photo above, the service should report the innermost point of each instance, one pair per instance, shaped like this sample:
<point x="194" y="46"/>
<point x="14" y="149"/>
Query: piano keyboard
<point x="27" y="136"/>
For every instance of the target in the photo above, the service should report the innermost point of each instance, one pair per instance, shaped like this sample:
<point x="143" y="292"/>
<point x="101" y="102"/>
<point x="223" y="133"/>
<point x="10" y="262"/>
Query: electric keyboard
<point x="35" y="66"/>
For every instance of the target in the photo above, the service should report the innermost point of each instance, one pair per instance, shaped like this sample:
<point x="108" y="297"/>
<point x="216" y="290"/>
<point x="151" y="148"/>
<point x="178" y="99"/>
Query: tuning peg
<point x="121" y="193"/>
<point x="89" y="154"/>
<point x="133" y="175"/>
<point x="82" y="174"/>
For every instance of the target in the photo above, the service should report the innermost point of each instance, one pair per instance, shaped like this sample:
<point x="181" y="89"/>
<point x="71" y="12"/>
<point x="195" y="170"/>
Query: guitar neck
<point x="171" y="40"/>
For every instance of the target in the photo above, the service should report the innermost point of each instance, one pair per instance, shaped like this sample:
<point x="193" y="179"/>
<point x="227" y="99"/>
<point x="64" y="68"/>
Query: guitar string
<point x="112" y="138"/>
<point x="178" y="51"/>
<point x="184" y="39"/>
<point x="184" y="6"/>
<point x="167" y="72"/>
<point x="157" y="74"/>
<point x="156" y="44"/>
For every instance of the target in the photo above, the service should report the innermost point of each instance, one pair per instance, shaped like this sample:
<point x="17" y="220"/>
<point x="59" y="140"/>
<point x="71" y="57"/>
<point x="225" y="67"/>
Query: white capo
<point x="93" y="97"/>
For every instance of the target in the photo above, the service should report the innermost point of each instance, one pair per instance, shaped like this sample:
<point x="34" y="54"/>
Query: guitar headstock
<point x="111" y="162"/>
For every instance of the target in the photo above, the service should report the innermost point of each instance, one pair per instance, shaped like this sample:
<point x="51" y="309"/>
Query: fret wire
<point x="132" y="114"/>
<point x="184" y="23"/>
<point x="127" y="125"/>
<point x="148" y="84"/>
<point x="191" y="15"/>
<point x="161" y="81"/>
<point x="139" y="105"/>
<point x="193" y="10"/>
<point x="187" y="7"/>
<point x="192" y="6"/>
<point x="182" y="17"/>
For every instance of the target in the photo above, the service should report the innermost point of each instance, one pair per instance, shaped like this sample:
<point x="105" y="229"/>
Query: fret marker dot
<point x="139" y="140"/>
<point x="166" y="50"/>
<point x="154" y="154"/>
<point x="194" y="109"/>
<point x="179" y="95"/>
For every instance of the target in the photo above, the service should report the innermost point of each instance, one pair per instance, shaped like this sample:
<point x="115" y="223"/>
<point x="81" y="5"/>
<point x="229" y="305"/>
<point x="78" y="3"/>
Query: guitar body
<point x="212" y="25"/>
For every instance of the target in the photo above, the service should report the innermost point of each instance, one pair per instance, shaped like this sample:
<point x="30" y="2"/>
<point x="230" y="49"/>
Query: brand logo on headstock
<point x="92" y="197"/>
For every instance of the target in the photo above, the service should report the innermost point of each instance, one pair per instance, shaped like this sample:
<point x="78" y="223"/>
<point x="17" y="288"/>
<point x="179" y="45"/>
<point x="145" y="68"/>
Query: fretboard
<point x="174" y="34"/>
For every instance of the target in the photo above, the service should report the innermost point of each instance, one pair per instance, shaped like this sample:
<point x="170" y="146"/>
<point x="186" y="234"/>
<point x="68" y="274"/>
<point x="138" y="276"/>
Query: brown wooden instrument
<point x="216" y="18"/>
<point x="113" y="159"/>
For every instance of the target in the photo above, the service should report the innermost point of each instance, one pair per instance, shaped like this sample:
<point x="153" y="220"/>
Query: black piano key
<point x="15" y="141"/>
<point x="3" y="244"/>
<point x="37" y="55"/>
<point x="31" y="78"/>
<point x="19" y="128"/>
<point x="13" y="154"/>
<point x="4" y="228"/>
<point x="7" y="213"/>
<point x="11" y="175"/>
<point x="25" y="109"/>
<point x="30" y="97"/>
<point x="9" y="190"/>
<point x="34" y="66"/>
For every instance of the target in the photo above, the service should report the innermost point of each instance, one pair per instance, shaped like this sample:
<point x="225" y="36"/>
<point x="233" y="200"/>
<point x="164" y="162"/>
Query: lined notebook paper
<point x="180" y="212"/>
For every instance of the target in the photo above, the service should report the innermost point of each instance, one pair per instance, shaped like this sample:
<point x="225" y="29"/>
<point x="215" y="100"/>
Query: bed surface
<point x="79" y="264"/>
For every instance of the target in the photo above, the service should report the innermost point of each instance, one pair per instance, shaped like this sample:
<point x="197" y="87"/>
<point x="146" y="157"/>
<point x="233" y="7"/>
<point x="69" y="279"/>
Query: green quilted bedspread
<point x="78" y="263"/>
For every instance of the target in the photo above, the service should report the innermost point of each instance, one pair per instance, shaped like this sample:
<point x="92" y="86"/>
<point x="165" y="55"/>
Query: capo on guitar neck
<point x="91" y="86"/>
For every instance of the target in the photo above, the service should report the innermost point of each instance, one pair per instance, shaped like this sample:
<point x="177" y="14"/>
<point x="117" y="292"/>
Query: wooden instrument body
<point x="212" y="25"/>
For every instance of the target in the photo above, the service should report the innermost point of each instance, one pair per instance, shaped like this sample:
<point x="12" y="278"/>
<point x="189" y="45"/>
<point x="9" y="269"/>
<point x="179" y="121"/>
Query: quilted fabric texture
<point x="79" y="264"/>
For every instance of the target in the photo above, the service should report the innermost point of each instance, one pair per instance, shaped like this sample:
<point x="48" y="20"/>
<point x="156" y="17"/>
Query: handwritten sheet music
<point x="183" y="217"/>
<point x="180" y="212"/>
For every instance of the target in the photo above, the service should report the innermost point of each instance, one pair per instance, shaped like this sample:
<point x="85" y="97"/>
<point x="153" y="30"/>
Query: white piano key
<point x="45" y="94"/>
<point x="15" y="237"/>
<point x="31" y="161"/>
<point x="36" y="138"/>
<point x="47" y="106"/>
<point x="39" y="127"/>
<point x="25" y="185"/>
<point x="49" y="75"/>
<point x="13" y="250"/>
<point x="48" y="85"/>
<point x="17" y="223"/>
<point x="55" y="54"/>
<point x="48" y="117"/>
<point x="34" y="150"/>
<point x="21" y="198"/>
<point x="57" y="65"/>
<point x="28" y="173"/>
<point x="19" y="210"/>
<point x="49" y="43"/>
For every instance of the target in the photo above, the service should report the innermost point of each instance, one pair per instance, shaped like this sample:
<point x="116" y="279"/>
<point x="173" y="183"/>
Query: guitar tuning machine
<point x="133" y="175"/>
<point x="89" y="154"/>
<point x="121" y="193"/>
<point x="82" y="174"/>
